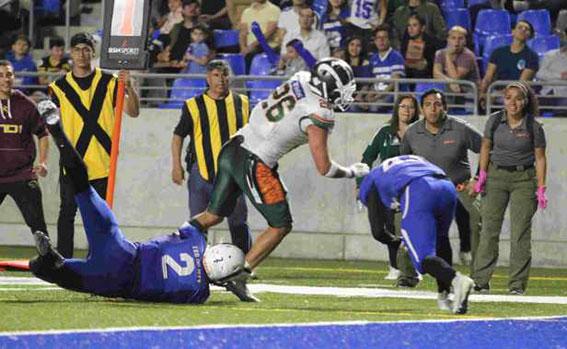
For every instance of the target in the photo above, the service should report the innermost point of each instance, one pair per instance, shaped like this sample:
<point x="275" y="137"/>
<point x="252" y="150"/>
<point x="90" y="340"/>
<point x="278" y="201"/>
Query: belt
<point x="514" y="168"/>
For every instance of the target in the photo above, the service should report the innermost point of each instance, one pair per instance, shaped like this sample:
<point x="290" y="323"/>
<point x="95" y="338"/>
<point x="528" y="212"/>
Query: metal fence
<point x="463" y="96"/>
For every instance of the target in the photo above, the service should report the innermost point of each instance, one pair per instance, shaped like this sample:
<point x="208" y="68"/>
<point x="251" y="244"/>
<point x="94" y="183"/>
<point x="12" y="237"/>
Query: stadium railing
<point x="464" y="102"/>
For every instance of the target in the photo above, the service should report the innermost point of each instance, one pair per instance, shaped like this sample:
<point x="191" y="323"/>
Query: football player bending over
<point x="298" y="112"/>
<point x="427" y="199"/>
<point x="176" y="268"/>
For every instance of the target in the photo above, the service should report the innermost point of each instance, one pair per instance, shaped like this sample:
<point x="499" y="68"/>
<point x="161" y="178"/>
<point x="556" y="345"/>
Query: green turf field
<point x="40" y="307"/>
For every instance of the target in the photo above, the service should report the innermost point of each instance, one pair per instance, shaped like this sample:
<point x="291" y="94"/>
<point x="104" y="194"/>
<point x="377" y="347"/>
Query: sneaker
<point x="443" y="301"/>
<point x="240" y="290"/>
<point x="516" y="292"/>
<point x="44" y="248"/>
<point x="407" y="282"/>
<point x="462" y="287"/>
<point x="393" y="274"/>
<point x="465" y="258"/>
<point x="485" y="289"/>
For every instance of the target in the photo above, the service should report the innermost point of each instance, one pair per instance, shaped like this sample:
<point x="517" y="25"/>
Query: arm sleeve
<point x="474" y="138"/>
<point x="185" y="125"/>
<point x="405" y="147"/>
<point x="371" y="152"/>
<point x="488" y="128"/>
<point x="539" y="136"/>
<point x="39" y="129"/>
<point x="532" y="62"/>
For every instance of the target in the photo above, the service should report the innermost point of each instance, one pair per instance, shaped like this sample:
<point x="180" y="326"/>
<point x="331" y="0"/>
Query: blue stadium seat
<point x="225" y="38"/>
<point x="236" y="62"/>
<point x="543" y="43"/>
<point x="260" y="66"/>
<point x="476" y="2"/>
<point x="492" y="43"/>
<point x="458" y="16"/>
<point x="182" y="89"/>
<point x="47" y="7"/>
<point x="539" y="19"/>
<point x="449" y="5"/>
<point x="488" y="23"/>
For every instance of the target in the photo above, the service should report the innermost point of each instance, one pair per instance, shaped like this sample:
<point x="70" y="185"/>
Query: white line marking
<point x="346" y="292"/>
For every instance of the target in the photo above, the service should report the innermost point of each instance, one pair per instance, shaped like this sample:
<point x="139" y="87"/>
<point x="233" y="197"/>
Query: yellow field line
<point x="365" y="271"/>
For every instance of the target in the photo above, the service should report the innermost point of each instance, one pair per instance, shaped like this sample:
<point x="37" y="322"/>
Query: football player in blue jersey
<point x="176" y="268"/>
<point x="427" y="200"/>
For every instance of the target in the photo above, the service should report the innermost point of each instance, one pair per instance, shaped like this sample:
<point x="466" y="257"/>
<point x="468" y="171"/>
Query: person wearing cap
<point x="445" y="141"/>
<point x="210" y="119"/>
<point x="513" y="170"/>
<point x="86" y="97"/>
<point x="512" y="62"/>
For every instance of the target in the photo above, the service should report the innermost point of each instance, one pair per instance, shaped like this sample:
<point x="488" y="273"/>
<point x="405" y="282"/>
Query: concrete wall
<point x="326" y="225"/>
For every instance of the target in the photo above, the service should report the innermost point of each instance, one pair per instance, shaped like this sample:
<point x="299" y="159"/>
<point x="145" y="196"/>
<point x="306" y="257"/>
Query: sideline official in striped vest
<point x="210" y="120"/>
<point x="86" y="97"/>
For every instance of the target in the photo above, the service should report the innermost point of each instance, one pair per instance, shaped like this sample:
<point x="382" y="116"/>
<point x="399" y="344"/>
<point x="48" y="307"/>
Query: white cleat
<point x="393" y="274"/>
<point x="240" y="290"/>
<point x="443" y="301"/>
<point x="462" y="287"/>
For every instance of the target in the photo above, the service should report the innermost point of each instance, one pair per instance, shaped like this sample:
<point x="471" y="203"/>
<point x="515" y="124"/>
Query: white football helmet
<point x="223" y="261"/>
<point x="333" y="79"/>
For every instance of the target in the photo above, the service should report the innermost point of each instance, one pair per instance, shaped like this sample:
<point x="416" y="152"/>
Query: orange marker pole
<point x="115" y="143"/>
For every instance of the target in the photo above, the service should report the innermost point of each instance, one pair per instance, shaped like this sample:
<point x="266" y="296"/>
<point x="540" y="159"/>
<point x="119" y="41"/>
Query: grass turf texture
<point x="37" y="309"/>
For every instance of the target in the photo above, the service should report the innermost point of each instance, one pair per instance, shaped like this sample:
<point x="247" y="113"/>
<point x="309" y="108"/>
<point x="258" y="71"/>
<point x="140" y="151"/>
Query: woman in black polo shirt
<point x="512" y="172"/>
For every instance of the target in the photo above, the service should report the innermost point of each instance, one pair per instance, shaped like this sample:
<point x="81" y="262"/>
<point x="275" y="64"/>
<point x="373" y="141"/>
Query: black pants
<point x="27" y="195"/>
<point x="68" y="211"/>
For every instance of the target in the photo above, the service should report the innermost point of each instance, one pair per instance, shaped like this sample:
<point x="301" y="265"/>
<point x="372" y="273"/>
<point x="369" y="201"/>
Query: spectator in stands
<point x="22" y="62"/>
<point x="198" y="53"/>
<point x="288" y="21"/>
<point x="434" y="22"/>
<point x="456" y="61"/>
<point x="356" y="56"/>
<point x="512" y="62"/>
<point x="313" y="40"/>
<point x="333" y="24"/>
<point x="418" y="49"/>
<point x="290" y="62"/>
<point x="180" y="34"/>
<point x="215" y="14"/>
<point x="266" y="15"/>
<point x="365" y="17"/>
<point x="554" y="67"/>
<point x="386" y="64"/>
<point x="55" y="62"/>
<point x="174" y="16"/>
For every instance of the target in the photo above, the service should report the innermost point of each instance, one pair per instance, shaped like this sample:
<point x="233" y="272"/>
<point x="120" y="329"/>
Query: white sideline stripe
<point x="307" y="324"/>
<point x="339" y="292"/>
<point x="386" y="293"/>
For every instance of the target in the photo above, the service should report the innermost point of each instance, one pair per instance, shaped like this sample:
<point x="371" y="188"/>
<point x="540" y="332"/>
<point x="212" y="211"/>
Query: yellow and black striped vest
<point x="88" y="118"/>
<point x="213" y="123"/>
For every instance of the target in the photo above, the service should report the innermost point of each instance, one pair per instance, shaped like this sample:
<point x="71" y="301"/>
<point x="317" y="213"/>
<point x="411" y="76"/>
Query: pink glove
<point x="479" y="185"/>
<point x="541" y="197"/>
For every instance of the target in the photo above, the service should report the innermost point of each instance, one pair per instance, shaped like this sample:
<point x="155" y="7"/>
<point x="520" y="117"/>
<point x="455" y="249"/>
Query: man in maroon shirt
<point x="19" y="121"/>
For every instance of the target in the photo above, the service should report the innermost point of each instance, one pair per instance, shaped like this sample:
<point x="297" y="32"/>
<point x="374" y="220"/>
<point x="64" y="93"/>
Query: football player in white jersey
<point x="298" y="112"/>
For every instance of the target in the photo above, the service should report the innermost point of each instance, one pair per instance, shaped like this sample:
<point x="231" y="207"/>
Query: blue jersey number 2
<point x="179" y="269"/>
